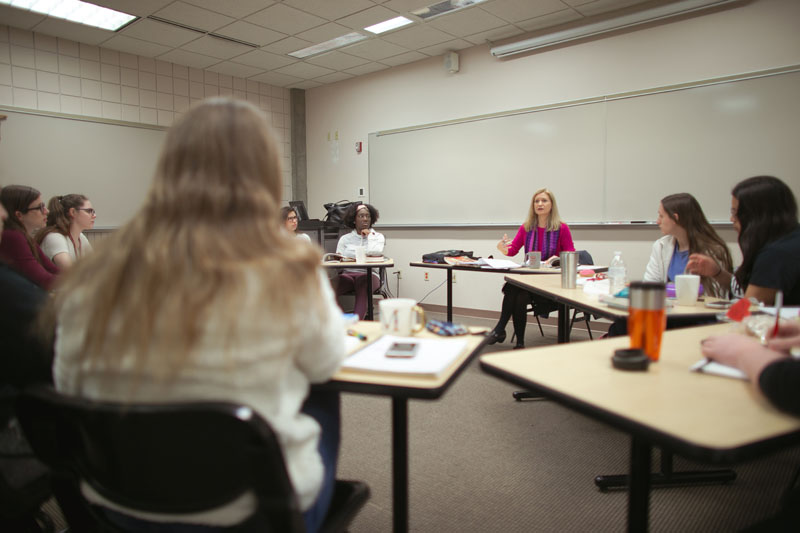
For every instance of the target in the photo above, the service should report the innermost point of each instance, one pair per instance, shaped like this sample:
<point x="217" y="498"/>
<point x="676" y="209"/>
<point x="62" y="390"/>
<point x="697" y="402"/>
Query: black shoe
<point x="519" y="346"/>
<point x="495" y="336"/>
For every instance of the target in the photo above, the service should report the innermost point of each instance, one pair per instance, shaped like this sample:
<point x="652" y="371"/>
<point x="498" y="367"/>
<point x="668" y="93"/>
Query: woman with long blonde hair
<point x="198" y="298"/>
<point x="543" y="231"/>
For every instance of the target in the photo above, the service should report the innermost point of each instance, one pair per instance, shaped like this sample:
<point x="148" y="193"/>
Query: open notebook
<point x="433" y="357"/>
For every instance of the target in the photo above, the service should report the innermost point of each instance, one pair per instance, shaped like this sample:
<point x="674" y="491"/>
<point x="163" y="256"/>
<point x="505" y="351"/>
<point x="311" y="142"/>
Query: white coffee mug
<point x="401" y="316"/>
<point x="361" y="254"/>
<point x="687" y="287"/>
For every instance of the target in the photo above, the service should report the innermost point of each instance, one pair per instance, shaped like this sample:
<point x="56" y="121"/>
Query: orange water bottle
<point x="647" y="317"/>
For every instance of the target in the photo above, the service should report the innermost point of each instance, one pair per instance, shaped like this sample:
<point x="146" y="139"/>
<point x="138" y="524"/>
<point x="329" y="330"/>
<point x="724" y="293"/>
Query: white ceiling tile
<point x="274" y="78"/>
<point x="189" y="59"/>
<point x="366" y="68"/>
<point x="251" y="33"/>
<point x="216" y="47"/>
<point x="402" y="59"/>
<point x="304" y="70"/>
<point x="496" y="34"/>
<point x="467" y="22"/>
<point x="325" y="32"/>
<point x="547" y="21"/>
<point x="264" y="60"/>
<point x="337" y="60"/>
<point x="235" y="69"/>
<point x="160" y="33"/>
<point x="443" y="48"/>
<point x="417" y="36"/>
<point x="193" y="16"/>
<point x="233" y="8"/>
<point x="517" y="10"/>
<point x="284" y="46"/>
<point x="604" y="6"/>
<point x="141" y="8"/>
<point x="374" y="49"/>
<point x="19" y="18"/>
<point x="305" y="84"/>
<point x="404" y="6"/>
<point x="285" y="19"/>
<point x="334" y="77"/>
<point x="328" y="9"/>
<point x="123" y="43"/>
<point x="368" y="17"/>
<point x="72" y="30"/>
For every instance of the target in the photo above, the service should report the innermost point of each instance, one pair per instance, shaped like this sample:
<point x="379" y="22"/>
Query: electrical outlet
<point x="426" y="277"/>
<point x="454" y="277"/>
<point x="399" y="274"/>
<point x="361" y="192"/>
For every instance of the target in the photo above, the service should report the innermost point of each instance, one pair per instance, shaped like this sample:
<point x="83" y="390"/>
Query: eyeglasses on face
<point x="291" y="218"/>
<point x="89" y="210"/>
<point x="41" y="207"/>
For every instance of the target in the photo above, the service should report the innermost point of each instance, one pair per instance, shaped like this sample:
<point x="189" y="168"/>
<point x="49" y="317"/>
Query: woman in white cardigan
<point x="197" y="299"/>
<point x="686" y="231"/>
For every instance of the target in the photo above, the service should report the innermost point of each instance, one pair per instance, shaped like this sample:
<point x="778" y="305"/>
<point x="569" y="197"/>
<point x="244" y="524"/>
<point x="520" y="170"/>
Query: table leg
<point x="400" y="463"/>
<point x="369" y="293"/>
<point x="563" y="323"/>
<point x="449" y="294"/>
<point x="639" y="489"/>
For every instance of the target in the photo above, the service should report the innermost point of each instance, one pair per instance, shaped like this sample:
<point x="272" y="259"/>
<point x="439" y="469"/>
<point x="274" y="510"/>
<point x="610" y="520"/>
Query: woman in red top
<point x="26" y="215"/>
<point x="543" y="232"/>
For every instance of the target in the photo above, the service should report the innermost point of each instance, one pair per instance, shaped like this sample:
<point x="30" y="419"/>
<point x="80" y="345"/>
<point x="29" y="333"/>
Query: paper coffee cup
<point x="686" y="288"/>
<point x="361" y="254"/>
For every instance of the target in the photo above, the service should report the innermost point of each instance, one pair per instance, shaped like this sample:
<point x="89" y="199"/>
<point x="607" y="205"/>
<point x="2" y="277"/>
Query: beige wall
<point x="757" y="35"/>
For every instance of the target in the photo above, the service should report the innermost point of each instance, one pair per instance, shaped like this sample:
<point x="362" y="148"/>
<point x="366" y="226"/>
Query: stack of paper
<point x="433" y="357"/>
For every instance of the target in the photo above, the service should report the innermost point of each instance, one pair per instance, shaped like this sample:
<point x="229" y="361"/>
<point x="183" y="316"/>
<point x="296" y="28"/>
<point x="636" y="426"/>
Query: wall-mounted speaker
<point x="451" y="62"/>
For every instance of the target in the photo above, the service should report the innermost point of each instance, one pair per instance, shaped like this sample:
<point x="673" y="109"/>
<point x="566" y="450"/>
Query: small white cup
<point x="361" y="254"/>
<point x="401" y="316"/>
<point x="687" y="287"/>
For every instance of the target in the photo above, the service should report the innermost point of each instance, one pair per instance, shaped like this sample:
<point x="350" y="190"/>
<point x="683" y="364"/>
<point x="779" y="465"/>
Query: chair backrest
<point x="163" y="458"/>
<point x="585" y="258"/>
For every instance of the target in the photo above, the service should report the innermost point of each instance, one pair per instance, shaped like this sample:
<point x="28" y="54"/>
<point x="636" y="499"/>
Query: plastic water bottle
<point x="616" y="274"/>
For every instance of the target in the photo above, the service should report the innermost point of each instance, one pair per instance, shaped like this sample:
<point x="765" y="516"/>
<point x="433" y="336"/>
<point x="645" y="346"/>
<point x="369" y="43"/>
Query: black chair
<point x="169" y="458"/>
<point x="584" y="258"/>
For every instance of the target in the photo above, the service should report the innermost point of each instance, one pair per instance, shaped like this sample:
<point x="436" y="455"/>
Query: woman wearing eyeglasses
<point x="62" y="240"/>
<point x="26" y="215"/>
<point x="289" y="216"/>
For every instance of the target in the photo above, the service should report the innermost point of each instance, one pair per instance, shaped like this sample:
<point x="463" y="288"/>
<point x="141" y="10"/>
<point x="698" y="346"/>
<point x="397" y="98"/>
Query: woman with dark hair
<point x="26" y="215"/>
<point x="686" y="231"/>
<point x="764" y="213"/>
<point x="542" y="231"/>
<point x="62" y="240"/>
<point x="360" y="217"/>
<point x="290" y="218"/>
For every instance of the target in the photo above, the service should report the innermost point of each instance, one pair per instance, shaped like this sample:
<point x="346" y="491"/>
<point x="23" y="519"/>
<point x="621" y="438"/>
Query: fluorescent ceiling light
<point x="448" y="6"/>
<point x="338" y="42"/>
<point x="626" y="21"/>
<point x="387" y="25"/>
<point x="75" y="11"/>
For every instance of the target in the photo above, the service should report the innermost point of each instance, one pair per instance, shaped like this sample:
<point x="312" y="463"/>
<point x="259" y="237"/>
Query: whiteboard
<point x="111" y="163"/>
<point x="610" y="159"/>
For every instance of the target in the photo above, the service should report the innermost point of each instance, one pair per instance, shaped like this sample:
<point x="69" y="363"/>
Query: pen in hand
<point x="778" y="306"/>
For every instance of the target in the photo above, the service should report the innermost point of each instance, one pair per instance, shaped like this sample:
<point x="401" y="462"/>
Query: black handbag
<point x="337" y="210"/>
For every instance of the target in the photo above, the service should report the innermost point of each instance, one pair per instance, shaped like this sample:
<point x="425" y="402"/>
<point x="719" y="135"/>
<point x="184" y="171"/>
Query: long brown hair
<point x="553" y="219"/>
<point x="685" y="211"/>
<point x="194" y="247"/>
<point x="58" y="217"/>
<point x="17" y="198"/>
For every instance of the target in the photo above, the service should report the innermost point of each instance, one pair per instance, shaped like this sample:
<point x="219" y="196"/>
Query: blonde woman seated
<point x="686" y="231"/>
<point x="290" y="218"/>
<point x="198" y="300"/>
<point x="62" y="240"/>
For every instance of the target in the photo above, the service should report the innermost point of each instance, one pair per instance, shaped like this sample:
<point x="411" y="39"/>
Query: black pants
<point x="515" y="304"/>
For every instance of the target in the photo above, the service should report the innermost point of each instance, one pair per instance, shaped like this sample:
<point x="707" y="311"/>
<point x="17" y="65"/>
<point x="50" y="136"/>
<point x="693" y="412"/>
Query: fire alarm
<point x="358" y="147"/>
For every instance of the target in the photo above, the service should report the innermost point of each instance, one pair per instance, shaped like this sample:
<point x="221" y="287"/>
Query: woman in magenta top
<point x="26" y="215"/>
<point x="543" y="232"/>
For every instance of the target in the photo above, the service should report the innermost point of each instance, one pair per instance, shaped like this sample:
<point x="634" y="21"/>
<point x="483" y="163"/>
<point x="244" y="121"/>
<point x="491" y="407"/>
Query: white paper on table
<point x="598" y="287"/>
<point x="497" y="263"/>
<point x="433" y="356"/>
<point x="786" y="312"/>
<point x="706" y="366"/>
